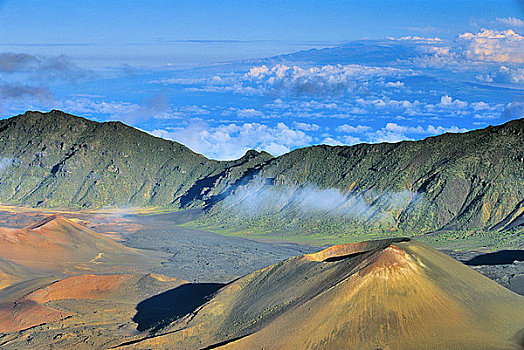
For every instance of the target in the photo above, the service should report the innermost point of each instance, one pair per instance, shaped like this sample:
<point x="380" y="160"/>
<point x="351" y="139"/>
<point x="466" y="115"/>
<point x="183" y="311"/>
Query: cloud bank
<point x="494" y="45"/>
<point x="258" y="199"/>
<point x="231" y="141"/>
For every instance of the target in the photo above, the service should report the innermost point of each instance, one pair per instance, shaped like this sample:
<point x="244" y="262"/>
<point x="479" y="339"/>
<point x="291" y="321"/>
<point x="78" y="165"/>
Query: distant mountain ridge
<point x="463" y="181"/>
<point x="468" y="181"/>
<point x="58" y="160"/>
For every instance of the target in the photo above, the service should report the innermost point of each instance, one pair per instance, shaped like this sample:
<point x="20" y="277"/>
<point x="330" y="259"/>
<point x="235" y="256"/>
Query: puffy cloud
<point x="394" y="132"/>
<point x="504" y="75"/>
<point x="353" y="129"/>
<point x="478" y="106"/>
<point x="448" y="102"/>
<point x="494" y="46"/>
<point x="332" y="142"/>
<point x="231" y="141"/>
<point x="306" y="126"/>
<point x="319" y="80"/>
<point x="397" y="84"/>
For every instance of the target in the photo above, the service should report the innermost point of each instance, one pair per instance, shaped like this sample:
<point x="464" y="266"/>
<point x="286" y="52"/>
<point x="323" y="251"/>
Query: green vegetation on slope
<point x="58" y="160"/>
<point x="453" y="182"/>
<point x="471" y="182"/>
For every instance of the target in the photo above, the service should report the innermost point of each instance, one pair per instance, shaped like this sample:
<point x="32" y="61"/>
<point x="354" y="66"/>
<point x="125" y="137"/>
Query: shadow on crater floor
<point x="498" y="258"/>
<point x="162" y="309"/>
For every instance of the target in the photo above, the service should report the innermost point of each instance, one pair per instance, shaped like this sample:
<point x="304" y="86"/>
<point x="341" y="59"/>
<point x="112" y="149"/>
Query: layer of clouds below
<point x="278" y="107"/>
<point x="259" y="199"/>
<point x="231" y="141"/>
<point x="392" y="133"/>
<point x="324" y="80"/>
<point x="480" y="52"/>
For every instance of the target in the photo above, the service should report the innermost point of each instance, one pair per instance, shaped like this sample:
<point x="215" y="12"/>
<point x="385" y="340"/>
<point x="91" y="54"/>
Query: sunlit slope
<point x="375" y="295"/>
<point x="81" y="312"/>
<point x="59" y="246"/>
<point x="11" y="273"/>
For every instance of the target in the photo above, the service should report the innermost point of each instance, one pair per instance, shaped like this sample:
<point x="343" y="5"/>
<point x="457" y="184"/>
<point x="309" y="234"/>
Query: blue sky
<point x="224" y="77"/>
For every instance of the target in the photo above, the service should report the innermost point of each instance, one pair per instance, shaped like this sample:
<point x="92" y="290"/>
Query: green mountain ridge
<point x="455" y="182"/>
<point x="59" y="160"/>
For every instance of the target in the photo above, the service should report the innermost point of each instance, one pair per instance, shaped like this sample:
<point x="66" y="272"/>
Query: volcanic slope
<point x="388" y="294"/>
<point x="58" y="246"/>
<point x="80" y="312"/>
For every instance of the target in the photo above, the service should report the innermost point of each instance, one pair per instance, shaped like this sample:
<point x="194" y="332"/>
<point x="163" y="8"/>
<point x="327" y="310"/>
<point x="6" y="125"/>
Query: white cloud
<point x="352" y="129"/>
<point x="351" y="140"/>
<point x="494" y="46"/>
<point x="306" y="126"/>
<point x="319" y="80"/>
<point x="511" y="21"/>
<point x="332" y="142"/>
<point x="243" y="112"/>
<point x="397" y="84"/>
<point x="417" y="39"/>
<point x="394" y="132"/>
<point x="249" y="113"/>
<point x="89" y="106"/>
<point x="231" y="141"/>
<point x="504" y="75"/>
<point x="448" y="102"/>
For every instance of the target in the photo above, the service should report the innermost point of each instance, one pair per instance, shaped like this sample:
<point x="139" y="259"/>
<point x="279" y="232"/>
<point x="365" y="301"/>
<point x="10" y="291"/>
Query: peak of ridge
<point x="55" y="218"/>
<point x="341" y="251"/>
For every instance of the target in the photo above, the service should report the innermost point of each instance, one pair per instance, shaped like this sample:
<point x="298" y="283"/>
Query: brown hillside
<point x="389" y="294"/>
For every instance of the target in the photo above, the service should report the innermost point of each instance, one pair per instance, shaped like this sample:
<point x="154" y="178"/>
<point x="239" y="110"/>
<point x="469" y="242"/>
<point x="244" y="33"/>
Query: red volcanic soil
<point x="36" y="309"/>
<point x="52" y="243"/>
<point x="80" y="287"/>
<point x="59" y="247"/>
